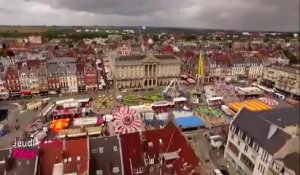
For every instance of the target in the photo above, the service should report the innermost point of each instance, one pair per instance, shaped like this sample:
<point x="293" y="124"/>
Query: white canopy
<point x="215" y="98"/>
<point x="84" y="100"/>
<point x="179" y="99"/>
<point x="85" y="121"/>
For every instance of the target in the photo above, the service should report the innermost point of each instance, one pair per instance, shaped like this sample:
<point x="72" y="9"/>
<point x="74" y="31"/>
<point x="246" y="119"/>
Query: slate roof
<point x="4" y="153"/>
<point x="24" y="166"/>
<point x="42" y="70"/>
<point x="52" y="69"/>
<point x="252" y="60"/>
<point x="257" y="128"/>
<point x="133" y="57"/>
<point x="291" y="161"/>
<point x="110" y="158"/>
<point x="282" y="117"/>
<point x="237" y="59"/>
<point x="62" y="60"/>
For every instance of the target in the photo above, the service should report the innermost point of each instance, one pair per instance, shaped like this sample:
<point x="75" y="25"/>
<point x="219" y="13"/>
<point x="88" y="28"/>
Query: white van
<point x="279" y="96"/>
<point x="216" y="141"/>
<point x="217" y="172"/>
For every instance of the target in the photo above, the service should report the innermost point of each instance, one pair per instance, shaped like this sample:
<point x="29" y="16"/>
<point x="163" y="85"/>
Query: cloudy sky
<point x="281" y="15"/>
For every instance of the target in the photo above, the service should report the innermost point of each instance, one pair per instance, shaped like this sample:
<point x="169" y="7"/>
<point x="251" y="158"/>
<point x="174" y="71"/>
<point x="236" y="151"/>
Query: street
<point x="28" y="116"/>
<point x="211" y="158"/>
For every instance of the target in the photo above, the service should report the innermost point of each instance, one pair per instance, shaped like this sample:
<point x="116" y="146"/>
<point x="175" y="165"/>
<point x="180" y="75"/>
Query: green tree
<point x="155" y="38"/>
<point x="189" y="37"/>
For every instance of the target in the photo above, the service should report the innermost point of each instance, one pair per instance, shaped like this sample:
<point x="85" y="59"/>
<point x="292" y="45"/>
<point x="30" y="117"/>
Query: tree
<point x="189" y="37"/>
<point x="293" y="58"/>
<point x="125" y="37"/>
<point x="155" y="38"/>
<point x="266" y="39"/>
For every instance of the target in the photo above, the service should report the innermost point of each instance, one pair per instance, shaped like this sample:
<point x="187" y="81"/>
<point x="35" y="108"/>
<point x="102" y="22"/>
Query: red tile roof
<point x="131" y="150"/>
<point x="166" y="49"/>
<point x="154" y="143"/>
<point x="188" y="54"/>
<point x="75" y="149"/>
<point x="50" y="154"/>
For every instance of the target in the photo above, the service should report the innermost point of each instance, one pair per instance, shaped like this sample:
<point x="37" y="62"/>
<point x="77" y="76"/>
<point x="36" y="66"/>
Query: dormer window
<point x="101" y="149"/>
<point x="116" y="170"/>
<point x="99" y="172"/>
<point x="150" y="144"/>
<point x="139" y="170"/>
<point x="115" y="148"/>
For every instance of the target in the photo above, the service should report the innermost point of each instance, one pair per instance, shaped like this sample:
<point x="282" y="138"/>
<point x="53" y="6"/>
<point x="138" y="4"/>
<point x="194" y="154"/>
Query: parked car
<point x="217" y="172"/>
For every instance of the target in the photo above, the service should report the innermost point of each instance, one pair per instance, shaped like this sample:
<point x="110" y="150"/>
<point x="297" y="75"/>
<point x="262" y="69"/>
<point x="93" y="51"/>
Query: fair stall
<point x="88" y="121"/>
<point x="212" y="101"/>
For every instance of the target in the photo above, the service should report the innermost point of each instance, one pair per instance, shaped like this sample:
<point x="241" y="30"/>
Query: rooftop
<point x="154" y="143"/>
<point x="290" y="69"/>
<point x="4" y="153"/>
<point x="76" y="156"/>
<point x="50" y="154"/>
<point x="291" y="161"/>
<point x="257" y="128"/>
<point x="105" y="154"/>
<point x="282" y="117"/>
<point x="23" y="166"/>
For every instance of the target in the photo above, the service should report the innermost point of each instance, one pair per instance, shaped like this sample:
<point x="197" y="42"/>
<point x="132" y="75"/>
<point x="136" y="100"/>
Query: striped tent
<point x="252" y="105"/>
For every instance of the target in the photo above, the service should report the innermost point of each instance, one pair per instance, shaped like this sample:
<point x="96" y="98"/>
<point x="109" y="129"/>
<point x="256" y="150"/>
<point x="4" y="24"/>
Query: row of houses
<point x="65" y="74"/>
<point x="224" y="67"/>
<point x="152" y="152"/>
<point x="285" y="79"/>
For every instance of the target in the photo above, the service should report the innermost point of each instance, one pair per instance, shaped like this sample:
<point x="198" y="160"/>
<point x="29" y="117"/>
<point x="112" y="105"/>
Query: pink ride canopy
<point x="268" y="101"/>
<point x="127" y="120"/>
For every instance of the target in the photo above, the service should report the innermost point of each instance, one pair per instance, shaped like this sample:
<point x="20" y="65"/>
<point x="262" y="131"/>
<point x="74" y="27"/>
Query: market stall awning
<point x="26" y="92"/>
<point x="252" y="105"/>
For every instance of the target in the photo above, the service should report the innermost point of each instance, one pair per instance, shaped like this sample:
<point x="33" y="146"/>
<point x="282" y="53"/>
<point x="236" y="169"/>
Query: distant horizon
<point x="235" y="15"/>
<point x="162" y="27"/>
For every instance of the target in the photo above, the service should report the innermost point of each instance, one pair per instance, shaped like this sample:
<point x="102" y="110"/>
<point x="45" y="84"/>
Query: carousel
<point x="269" y="101"/>
<point x="102" y="102"/>
<point x="127" y="120"/>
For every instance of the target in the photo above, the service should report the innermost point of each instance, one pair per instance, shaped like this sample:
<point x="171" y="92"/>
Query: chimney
<point x="272" y="130"/>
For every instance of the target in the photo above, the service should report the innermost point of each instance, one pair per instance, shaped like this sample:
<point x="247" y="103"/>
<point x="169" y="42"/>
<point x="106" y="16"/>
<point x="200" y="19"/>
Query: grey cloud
<point x="116" y="7"/>
<point x="255" y="15"/>
<point x="223" y="14"/>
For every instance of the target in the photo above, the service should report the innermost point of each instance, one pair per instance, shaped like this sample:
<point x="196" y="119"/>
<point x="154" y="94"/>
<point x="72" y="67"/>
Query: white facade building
<point x="257" y="139"/>
<point x="29" y="78"/>
<point x="283" y="78"/>
<point x="136" y="71"/>
<point x="35" y="39"/>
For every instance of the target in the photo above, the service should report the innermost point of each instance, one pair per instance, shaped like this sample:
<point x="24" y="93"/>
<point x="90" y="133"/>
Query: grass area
<point x="132" y="100"/>
<point x="209" y="111"/>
